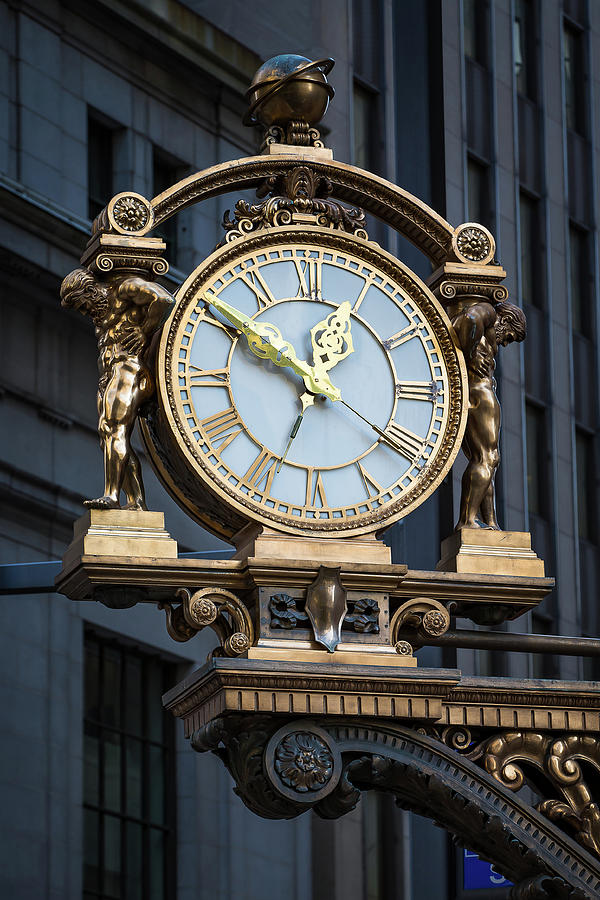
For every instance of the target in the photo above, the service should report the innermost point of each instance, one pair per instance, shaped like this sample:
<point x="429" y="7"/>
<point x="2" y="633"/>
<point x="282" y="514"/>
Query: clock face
<point x="354" y="464"/>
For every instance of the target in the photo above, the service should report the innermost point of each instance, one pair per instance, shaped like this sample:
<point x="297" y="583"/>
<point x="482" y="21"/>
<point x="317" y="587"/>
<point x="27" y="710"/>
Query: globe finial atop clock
<point x="288" y="96"/>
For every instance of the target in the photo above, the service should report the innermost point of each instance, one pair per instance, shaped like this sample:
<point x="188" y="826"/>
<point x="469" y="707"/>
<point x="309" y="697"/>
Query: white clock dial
<point x="236" y="411"/>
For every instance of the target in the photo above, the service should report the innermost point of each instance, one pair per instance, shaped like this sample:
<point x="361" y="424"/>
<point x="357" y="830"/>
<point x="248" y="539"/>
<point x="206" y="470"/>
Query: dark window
<point x="100" y="146"/>
<point x="364" y="108"/>
<point x="581" y="276"/>
<point x="166" y="172"/>
<point x="537" y="455"/>
<point x="128" y="792"/>
<point x="532" y="267"/>
<point x="475" y="30"/>
<point x="367" y="37"/>
<point x="524" y="48"/>
<point x="586" y="488"/>
<point x="574" y="73"/>
<point x="478" y="192"/>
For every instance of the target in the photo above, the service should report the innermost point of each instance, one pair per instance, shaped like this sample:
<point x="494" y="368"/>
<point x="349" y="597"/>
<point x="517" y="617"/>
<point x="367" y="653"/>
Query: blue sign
<point x="479" y="874"/>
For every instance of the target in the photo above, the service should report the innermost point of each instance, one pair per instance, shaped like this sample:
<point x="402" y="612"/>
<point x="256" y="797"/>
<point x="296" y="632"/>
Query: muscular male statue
<point x="481" y="327"/>
<point x="126" y="312"/>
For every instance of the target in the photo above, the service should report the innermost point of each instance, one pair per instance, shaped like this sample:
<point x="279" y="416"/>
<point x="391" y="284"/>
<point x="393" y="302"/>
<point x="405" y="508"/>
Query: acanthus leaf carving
<point x="298" y="195"/>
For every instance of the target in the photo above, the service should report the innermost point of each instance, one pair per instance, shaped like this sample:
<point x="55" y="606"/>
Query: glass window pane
<point x="92" y="681"/>
<point x="526" y="215"/>
<point x="524" y="48"/>
<point x="91" y="841"/>
<point x="478" y="192"/>
<point x="573" y="65"/>
<point x="112" y="771"/>
<point x="534" y="429"/>
<point x="156" y="786"/>
<point x="111" y="687"/>
<point x="100" y="165"/>
<point x="154" y="711"/>
<point x="585" y="485"/>
<point x="112" y="856"/>
<point x="157" y="865"/>
<point x="134" y="696"/>
<point x="364" y="102"/>
<point x="134" y="778"/>
<point x="581" y="278"/>
<point x="91" y="765"/>
<point x="134" y="862"/>
<point x="474" y="30"/>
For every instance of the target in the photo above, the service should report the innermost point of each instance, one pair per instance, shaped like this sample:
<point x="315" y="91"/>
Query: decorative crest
<point x="301" y="196"/>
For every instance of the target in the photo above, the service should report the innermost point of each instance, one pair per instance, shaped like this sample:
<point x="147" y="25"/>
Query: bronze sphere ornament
<point x="288" y="96"/>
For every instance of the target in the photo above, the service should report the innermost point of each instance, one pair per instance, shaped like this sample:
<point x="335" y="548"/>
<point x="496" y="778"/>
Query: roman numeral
<point x="198" y="377"/>
<point x="257" y="284"/>
<point x="402" y="336"/>
<point x="222" y="428"/>
<point x="262" y="471"/>
<point x="372" y="487"/>
<point x="205" y="315"/>
<point x="409" y="444"/>
<point x="418" y="390"/>
<point x="361" y="296"/>
<point x="309" y="277"/>
<point x="315" y="491"/>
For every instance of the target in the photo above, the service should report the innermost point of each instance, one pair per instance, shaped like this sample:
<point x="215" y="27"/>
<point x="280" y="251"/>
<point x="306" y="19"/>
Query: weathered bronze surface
<point x="126" y="309"/>
<point x="326" y="606"/>
<point x="459" y="750"/>
<point x="481" y="328"/>
<point x="288" y="96"/>
<point x="490" y="552"/>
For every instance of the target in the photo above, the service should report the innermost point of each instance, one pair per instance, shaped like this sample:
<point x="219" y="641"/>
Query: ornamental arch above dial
<point x="307" y="381"/>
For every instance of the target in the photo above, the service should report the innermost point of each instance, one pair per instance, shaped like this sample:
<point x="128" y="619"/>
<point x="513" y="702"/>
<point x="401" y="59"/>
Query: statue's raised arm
<point x="127" y="312"/>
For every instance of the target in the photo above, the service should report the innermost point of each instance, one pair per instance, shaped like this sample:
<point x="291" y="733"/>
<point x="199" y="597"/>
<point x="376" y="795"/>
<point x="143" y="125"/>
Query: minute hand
<point x="266" y="342"/>
<point x="405" y="451"/>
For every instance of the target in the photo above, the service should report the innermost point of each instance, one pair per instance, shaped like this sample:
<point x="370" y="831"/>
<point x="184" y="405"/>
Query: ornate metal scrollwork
<point x="215" y="608"/>
<point x="283" y="771"/>
<point x="299" y="195"/>
<point x="560" y="761"/>
<point x="424" y="616"/>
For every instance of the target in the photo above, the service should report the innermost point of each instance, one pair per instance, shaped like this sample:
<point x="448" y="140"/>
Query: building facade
<point x="486" y="109"/>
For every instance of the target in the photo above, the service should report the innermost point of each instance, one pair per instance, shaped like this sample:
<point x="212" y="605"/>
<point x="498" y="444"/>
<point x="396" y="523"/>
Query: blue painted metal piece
<point x="478" y="874"/>
<point x="38" y="577"/>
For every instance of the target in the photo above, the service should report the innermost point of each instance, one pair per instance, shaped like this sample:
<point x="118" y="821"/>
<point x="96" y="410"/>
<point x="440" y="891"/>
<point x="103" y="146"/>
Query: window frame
<point x="98" y="728"/>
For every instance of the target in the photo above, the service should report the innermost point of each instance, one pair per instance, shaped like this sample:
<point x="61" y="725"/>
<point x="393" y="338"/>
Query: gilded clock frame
<point x="222" y="508"/>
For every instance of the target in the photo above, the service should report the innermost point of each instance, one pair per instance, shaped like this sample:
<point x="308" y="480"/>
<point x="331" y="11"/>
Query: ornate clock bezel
<point x="218" y="506"/>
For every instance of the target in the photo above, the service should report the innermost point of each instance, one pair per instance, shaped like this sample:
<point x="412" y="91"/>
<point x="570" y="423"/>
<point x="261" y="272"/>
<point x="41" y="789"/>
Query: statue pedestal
<point x="483" y="551"/>
<point x="133" y="533"/>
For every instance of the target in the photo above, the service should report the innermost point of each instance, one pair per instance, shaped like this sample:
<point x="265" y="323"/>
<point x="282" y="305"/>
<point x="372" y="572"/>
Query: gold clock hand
<point x="386" y="437"/>
<point x="266" y="342"/>
<point x="307" y="400"/>
<point x="331" y="339"/>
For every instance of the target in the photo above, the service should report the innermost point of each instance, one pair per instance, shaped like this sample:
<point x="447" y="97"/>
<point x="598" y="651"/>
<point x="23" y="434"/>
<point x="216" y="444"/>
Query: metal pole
<point x="505" y="640"/>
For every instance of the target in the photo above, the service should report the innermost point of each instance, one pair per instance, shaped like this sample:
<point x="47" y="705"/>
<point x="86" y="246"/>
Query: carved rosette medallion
<point x="403" y="648"/>
<point x="129" y="213"/>
<point x="303" y="761"/>
<point x="203" y="611"/>
<point x="435" y="623"/>
<point x="472" y="243"/>
<point x="303" y="765"/>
